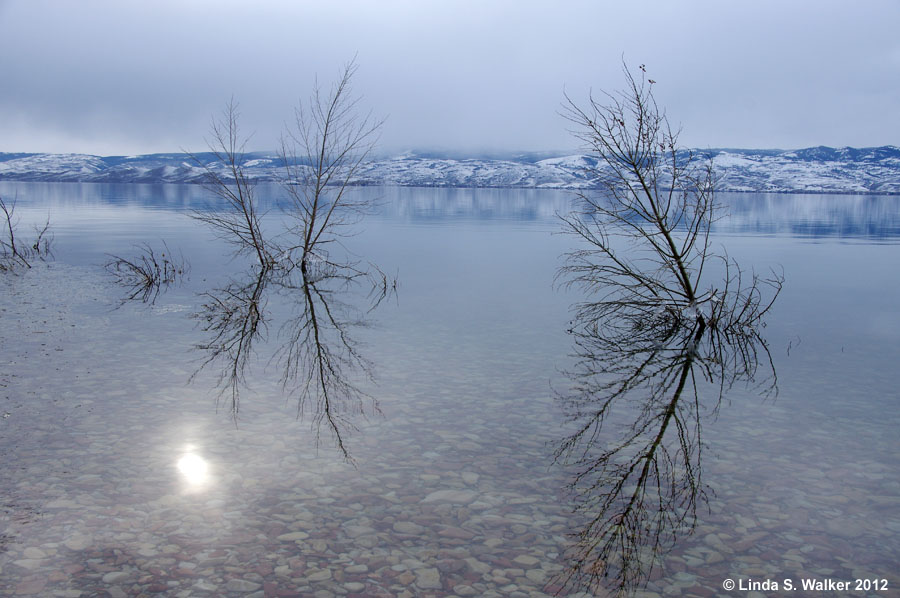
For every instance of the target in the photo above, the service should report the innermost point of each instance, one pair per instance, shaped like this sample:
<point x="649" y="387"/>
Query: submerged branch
<point x="13" y="253"/>
<point x="146" y="274"/>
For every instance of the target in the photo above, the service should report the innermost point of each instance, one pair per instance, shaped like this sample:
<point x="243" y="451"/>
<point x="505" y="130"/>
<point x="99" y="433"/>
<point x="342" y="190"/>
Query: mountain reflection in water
<point x="96" y="414"/>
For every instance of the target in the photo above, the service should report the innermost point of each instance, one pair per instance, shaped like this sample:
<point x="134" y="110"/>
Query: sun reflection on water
<point x="194" y="469"/>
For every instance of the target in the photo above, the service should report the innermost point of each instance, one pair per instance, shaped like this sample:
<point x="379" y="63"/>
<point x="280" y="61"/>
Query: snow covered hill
<point x="811" y="170"/>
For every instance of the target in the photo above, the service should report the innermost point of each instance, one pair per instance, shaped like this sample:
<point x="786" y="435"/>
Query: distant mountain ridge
<point x="810" y="170"/>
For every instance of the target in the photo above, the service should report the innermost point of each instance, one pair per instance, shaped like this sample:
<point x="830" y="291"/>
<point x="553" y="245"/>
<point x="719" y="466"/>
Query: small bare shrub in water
<point x="13" y="251"/>
<point x="146" y="274"/>
<point x="321" y="153"/>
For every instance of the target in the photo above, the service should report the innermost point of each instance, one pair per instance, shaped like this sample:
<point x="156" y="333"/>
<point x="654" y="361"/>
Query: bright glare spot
<point x="193" y="468"/>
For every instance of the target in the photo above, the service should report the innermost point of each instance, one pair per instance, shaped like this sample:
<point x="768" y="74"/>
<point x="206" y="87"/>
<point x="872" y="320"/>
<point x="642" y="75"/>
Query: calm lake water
<point x="125" y="471"/>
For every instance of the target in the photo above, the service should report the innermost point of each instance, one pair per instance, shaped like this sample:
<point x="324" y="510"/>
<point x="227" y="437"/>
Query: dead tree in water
<point x="647" y="225"/>
<point x="322" y="152"/>
<point x="653" y="338"/>
<point x="12" y="252"/>
<point x="239" y="222"/>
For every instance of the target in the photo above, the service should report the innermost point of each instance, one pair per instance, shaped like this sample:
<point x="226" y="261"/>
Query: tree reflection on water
<point x="659" y="342"/>
<point x="320" y="362"/>
<point x="640" y="391"/>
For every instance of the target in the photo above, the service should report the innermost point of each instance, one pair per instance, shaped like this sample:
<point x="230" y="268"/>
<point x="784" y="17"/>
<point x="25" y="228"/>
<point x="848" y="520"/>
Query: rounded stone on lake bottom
<point x="78" y="542"/>
<point x="319" y="575"/>
<point x="116" y="576"/>
<point x="714" y="557"/>
<point x="428" y="578"/>
<point x="29" y="564"/>
<point x="843" y="529"/>
<point x="537" y="576"/>
<point x="293" y="536"/>
<point x="241" y="585"/>
<point x="450" y="496"/>
<point x="34" y="553"/>
<point x="30" y="586"/>
<point x="526" y="560"/>
<point x="408" y="527"/>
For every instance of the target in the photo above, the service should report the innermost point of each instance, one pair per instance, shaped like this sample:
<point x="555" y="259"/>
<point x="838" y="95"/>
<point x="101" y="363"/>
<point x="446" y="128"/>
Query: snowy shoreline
<point x="813" y="170"/>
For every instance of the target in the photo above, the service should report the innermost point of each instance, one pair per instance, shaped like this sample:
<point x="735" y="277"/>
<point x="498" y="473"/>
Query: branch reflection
<point x="320" y="362"/>
<point x="644" y="379"/>
<point x="235" y="318"/>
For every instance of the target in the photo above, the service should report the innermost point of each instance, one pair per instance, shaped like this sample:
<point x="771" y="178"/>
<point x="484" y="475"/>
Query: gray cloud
<point x="114" y="77"/>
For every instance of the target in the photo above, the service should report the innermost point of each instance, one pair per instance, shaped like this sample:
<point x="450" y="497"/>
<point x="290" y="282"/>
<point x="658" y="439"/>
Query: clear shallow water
<point x="122" y="476"/>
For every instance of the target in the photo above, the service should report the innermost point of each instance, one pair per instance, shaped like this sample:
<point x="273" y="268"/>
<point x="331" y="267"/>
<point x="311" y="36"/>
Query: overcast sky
<point x="112" y="77"/>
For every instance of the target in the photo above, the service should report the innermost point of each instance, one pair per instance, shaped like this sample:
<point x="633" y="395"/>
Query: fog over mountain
<point x="109" y="77"/>
<point x="814" y="170"/>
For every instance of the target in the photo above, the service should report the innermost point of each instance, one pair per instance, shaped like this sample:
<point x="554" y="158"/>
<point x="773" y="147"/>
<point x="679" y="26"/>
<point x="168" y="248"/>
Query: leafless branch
<point x="14" y="253"/>
<point x="238" y="222"/>
<point x="147" y="274"/>
<point x="321" y="152"/>
<point x="653" y="339"/>
<point x="645" y="230"/>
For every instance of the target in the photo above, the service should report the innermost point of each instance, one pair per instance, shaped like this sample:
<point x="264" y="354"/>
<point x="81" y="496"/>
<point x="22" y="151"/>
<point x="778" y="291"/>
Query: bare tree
<point x="651" y="335"/>
<point x="647" y="225"/>
<point x="239" y="222"/>
<point x="9" y="247"/>
<point x="13" y="252"/>
<point x="322" y="151"/>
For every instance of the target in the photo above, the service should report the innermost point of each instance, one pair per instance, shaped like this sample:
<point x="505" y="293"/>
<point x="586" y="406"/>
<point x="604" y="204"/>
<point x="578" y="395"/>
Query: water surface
<point x="126" y="472"/>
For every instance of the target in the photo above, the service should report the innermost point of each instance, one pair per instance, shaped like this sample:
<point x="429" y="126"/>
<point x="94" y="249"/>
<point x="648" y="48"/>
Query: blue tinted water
<point x="123" y="473"/>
